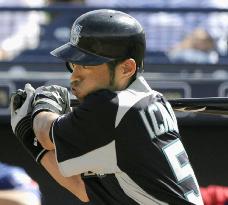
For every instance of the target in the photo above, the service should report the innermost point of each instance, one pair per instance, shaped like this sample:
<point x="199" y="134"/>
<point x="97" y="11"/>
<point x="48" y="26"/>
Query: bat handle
<point x="19" y="99"/>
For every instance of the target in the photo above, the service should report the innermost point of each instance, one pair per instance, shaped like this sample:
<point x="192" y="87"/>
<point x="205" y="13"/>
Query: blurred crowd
<point x="19" y="30"/>
<point x="17" y="187"/>
<point x="192" y="37"/>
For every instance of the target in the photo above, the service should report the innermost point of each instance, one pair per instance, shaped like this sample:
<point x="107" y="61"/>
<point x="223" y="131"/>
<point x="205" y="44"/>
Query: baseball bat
<point x="206" y="105"/>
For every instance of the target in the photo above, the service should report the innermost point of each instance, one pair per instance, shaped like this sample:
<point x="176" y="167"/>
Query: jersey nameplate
<point x="162" y="117"/>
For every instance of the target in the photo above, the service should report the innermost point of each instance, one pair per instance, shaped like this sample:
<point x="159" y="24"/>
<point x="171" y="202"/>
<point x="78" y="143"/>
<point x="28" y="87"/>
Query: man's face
<point x="87" y="79"/>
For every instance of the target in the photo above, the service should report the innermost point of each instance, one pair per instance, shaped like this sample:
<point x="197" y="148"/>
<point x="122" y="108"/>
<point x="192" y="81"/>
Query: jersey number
<point x="174" y="151"/>
<point x="182" y="170"/>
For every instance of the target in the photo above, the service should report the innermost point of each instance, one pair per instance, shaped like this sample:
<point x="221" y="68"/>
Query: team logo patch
<point x="75" y="34"/>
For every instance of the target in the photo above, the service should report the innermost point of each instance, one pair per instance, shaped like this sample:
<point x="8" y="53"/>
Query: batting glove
<point x="21" y="122"/>
<point x="51" y="98"/>
<point x="17" y="114"/>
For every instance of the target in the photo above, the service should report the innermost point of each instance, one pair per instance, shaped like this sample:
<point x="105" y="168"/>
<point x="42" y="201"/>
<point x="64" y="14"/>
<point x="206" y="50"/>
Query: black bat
<point x="20" y="96"/>
<point x="206" y="105"/>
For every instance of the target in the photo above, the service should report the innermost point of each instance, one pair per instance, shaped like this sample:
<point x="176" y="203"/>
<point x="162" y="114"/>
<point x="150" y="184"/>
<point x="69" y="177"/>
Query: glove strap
<point x="26" y="136"/>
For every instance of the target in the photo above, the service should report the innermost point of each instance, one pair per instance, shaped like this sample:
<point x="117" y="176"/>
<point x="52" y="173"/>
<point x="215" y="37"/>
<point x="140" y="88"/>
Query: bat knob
<point x="19" y="99"/>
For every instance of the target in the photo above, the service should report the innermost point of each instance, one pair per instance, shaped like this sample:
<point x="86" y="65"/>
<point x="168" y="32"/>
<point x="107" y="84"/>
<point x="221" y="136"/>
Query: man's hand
<point x="21" y="122"/>
<point x="51" y="98"/>
<point x="17" y="114"/>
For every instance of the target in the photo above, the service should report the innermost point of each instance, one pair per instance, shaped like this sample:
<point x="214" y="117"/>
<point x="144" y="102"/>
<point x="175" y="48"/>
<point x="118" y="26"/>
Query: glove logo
<point x="35" y="142"/>
<point x="58" y="97"/>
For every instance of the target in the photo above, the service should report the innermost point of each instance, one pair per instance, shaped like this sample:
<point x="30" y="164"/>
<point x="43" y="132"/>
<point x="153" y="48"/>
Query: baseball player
<point x="121" y="145"/>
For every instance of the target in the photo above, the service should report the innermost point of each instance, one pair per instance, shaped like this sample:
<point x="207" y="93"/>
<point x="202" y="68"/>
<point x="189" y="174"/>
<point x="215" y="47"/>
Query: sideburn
<point x="112" y="65"/>
<point x="112" y="77"/>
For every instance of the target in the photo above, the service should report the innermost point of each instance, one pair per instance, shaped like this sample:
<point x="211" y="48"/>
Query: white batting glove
<point x="20" y="113"/>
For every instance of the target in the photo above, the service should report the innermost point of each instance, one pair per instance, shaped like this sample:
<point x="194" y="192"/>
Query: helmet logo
<point x="75" y="34"/>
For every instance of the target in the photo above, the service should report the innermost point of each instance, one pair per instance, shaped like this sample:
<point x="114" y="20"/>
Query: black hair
<point x="112" y="65"/>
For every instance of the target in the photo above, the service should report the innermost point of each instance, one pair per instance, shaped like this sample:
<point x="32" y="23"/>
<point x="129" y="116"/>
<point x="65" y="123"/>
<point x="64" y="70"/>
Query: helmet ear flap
<point x="68" y="67"/>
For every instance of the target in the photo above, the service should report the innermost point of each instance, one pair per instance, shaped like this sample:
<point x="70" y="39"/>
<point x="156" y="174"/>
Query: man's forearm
<point x="73" y="184"/>
<point x="41" y="126"/>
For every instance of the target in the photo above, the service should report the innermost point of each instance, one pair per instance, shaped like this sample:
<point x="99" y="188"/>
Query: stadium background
<point x="204" y="136"/>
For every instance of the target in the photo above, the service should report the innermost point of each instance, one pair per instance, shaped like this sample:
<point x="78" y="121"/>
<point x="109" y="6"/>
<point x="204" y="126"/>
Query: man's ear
<point x="123" y="73"/>
<point x="128" y="67"/>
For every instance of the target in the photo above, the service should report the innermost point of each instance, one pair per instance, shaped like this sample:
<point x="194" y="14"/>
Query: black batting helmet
<point x="101" y="36"/>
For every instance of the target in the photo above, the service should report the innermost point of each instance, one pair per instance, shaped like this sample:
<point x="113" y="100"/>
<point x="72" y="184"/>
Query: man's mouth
<point x="74" y="86"/>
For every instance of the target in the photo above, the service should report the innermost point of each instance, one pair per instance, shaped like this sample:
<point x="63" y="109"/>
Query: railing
<point x="73" y="8"/>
